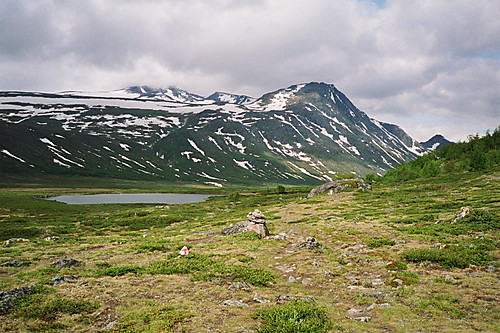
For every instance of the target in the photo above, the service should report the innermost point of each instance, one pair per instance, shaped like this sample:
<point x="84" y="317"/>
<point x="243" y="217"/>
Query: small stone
<point x="14" y="263"/>
<point x="383" y="305"/>
<point x="15" y="240"/>
<point x="315" y="263"/>
<point x="306" y="280"/>
<point x="233" y="302"/>
<point x="64" y="279"/>
<point x="449" y="278"/>
<point x="240" y="286"/>
<point x="291" y="279"/>
<point x="259" y="299"/>
<point x="398" y="281"/>
<point x="473" y="275"/>
<point x="110" y="325"/>
<point x="52" y="238"/>
<point x="491" y="268"/>
<point x="377" y="282"/>
<point x="353" y="311"/>
<point x="286" y="298"/>
<point x="363" y="319"/>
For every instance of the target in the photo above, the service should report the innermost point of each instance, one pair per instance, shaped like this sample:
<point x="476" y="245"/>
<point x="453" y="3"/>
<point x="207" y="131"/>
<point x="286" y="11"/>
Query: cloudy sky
<point x="430" y="66"/>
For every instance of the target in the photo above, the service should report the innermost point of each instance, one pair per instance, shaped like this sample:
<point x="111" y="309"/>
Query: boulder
<point x="8" y="297"/>
<point x="256" y="222"/>
<point x="63" y="279"/>
<point x="339" y="186"/>
<point x="64" y="263"/>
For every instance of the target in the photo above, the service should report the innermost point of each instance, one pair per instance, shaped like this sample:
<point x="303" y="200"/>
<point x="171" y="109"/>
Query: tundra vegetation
<point x="392" y="259"/>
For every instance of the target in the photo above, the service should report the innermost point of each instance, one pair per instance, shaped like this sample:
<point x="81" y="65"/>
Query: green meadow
<point x="392" y="258"/>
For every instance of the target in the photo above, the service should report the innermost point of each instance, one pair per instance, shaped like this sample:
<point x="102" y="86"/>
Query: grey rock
<point x="240" y="286"/>
<point x="64" y="263"/>
<point x="233" y="302"/>
<point x="362" y="319"/>
<point x="306" y="280"/>
<point x="491" y="268"/>
<point x="63" y="279"/>
<point x="473" y="275"/>
<point x="259" y="299"/>
<point x="383" y="305"/>
<point x="464" y="211"/>
<point x="398" y="281"/>
<point x="110" y="325"/>
<point x="15" y="240"/>
<point x="377" y="294"/>
<point x="286" y="298"/>
<point x="339" y="186"/>
<point x="53" y="238"/>
<point x="310" y="244"/>
<point x="14" y="263"/>
<point x="8" y="297"/>
<point x="291" y="279"/>
<point x="256" y="217"/>
<point x="449" y="278"/>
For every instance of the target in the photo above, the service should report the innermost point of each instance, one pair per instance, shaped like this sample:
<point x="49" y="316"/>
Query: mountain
<point x="436" y="142"/>
<point x="303" y="134"/>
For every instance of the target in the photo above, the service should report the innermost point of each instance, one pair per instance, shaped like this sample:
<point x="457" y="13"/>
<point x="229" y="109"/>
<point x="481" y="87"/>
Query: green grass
<point x="201" y="267"/>
<point x="294" y="317"/>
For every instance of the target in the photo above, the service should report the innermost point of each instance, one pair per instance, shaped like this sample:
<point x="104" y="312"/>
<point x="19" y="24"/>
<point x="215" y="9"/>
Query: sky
<point x="429" y="66"/>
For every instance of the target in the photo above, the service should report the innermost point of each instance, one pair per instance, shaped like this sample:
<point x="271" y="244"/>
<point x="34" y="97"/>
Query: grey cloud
<point x="425" y="57"/>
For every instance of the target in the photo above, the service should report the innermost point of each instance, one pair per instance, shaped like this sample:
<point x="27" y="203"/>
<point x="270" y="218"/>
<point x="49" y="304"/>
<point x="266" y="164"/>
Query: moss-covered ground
<point x="394" y="246"/>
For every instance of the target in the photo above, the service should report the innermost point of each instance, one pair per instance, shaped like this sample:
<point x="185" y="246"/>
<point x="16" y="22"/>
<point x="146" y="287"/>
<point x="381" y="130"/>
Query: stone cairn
<point x="256" y="221"/>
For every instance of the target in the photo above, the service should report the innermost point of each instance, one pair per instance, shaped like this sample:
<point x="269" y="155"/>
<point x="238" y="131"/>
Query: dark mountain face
<point x="303" y="134"/>
<point x="436" y="142"/>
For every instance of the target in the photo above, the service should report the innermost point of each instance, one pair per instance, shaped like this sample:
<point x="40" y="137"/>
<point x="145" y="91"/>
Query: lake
<point x="126" y="198"/>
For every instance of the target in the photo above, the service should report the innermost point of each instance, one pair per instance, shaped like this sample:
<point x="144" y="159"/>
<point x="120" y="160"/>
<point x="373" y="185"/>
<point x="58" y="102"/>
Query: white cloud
<point x="425" y="65"/>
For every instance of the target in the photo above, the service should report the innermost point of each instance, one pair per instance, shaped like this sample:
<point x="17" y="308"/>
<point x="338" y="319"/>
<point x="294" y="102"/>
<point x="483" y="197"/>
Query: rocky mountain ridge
<point x="303" y="134"/>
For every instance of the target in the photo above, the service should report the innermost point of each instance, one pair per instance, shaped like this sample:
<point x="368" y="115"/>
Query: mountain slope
<point x="303" y="134"/>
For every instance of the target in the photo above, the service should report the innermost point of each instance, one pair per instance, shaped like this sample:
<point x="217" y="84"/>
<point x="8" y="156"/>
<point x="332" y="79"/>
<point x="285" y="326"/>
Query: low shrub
<point x="455" y="256"/>
<point x="396" y="266"/>
<point x="294" y="317"/>
<point x="378" y="242"/>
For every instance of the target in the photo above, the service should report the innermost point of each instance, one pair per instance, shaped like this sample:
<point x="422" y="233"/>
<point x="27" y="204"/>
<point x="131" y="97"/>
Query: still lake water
<point x="160" y="198"/>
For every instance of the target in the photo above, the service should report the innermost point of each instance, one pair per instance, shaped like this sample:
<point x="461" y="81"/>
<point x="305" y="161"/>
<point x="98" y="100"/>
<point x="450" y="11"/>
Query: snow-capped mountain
<point x="436" y="142"/>
<point x="302" y="134"/>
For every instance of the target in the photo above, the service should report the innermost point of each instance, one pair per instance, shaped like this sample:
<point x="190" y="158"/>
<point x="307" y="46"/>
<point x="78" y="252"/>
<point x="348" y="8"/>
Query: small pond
<point x="127" y="198"/>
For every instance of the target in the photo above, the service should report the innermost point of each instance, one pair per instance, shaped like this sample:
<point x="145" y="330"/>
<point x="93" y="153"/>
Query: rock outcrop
<point x="339" y="186"/>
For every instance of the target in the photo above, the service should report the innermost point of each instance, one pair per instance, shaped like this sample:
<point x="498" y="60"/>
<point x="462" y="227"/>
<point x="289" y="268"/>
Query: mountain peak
<point x="436" y="142"/>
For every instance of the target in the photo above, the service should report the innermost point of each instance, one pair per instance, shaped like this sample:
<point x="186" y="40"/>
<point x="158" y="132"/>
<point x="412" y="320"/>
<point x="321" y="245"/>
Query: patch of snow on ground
<point x="193" y="144"/>
<point x="47" y="141"/>
<point x="244" y="164"/>
<point x="55" y="160"/>
<point x="304" y="171"/>
<point x="214" y="183"/>
<point x="6" y="152"/>
<point x="125" y="146"/>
